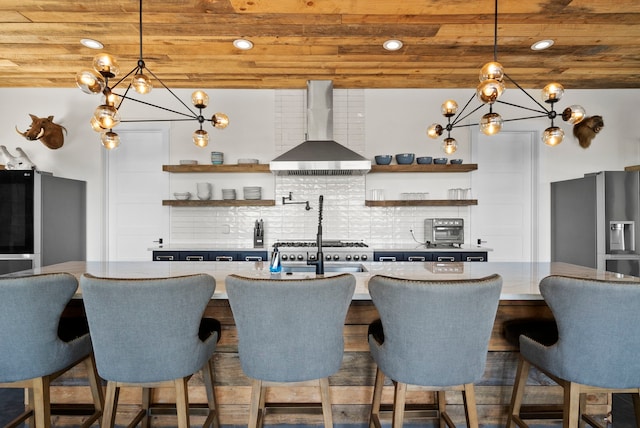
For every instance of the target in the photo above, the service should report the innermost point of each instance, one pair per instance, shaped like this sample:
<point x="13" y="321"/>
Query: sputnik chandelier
<point x="488" y="92"/>
<point x="107" y="116"/>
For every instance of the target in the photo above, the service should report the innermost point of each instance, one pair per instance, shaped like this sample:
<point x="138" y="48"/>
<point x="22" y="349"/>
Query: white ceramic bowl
<point x="182" y="196"/>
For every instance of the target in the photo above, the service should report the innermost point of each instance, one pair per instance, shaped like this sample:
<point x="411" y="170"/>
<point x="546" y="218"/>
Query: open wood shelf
<point x="220" y="203"/>
<point x="250" y="167"/>
<point x="463" y="167"/>
<point x="423" y="203"/>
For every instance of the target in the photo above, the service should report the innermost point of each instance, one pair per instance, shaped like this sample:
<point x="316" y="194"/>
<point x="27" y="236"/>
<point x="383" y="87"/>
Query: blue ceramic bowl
<point x="405" y="158"/>
<point x="456" y="161"/>
<point x="440" y="161"/>
<point x="383" y="159"/>
<point x="424" y="160"/>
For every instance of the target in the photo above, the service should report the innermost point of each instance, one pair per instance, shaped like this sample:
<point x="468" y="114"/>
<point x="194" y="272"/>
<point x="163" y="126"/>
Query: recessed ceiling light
<point x="392" y="45"/>
<point x="542" y="45"/>
<point x="90" y="43"/>
<point x="242" y="44"/>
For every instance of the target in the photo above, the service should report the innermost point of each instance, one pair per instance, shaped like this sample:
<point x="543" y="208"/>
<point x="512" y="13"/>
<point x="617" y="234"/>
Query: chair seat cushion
<point x="208" y="326"/>
<point x="542" y="330"/>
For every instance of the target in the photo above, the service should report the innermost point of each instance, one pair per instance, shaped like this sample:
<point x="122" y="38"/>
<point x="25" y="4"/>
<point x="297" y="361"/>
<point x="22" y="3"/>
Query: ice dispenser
<point x="622" y="237"/>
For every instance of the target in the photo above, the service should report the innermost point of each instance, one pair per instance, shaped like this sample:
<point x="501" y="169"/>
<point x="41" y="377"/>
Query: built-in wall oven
<point x="42" y="220"/>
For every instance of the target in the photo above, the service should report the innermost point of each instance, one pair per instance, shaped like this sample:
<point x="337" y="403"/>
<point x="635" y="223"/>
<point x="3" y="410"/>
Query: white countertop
<point x="520" y="280"/>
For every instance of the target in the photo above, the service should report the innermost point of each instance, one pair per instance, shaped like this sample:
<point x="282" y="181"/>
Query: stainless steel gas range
<point x="333" y="250"/>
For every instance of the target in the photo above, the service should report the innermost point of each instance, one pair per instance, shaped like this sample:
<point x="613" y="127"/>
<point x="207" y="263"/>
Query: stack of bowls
<point x="252" y="192"/>
<point x="228" y="194"/>
<point x="217" y="158"/>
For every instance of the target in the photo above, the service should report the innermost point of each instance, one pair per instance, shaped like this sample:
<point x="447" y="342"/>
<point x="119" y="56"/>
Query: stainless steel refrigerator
<point x="594" y="220"/>
<point x="42" y="220"/>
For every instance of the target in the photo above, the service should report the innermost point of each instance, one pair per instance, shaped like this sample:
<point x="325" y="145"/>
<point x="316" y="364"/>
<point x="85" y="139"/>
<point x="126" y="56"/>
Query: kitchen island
<point x="352" y="386"/>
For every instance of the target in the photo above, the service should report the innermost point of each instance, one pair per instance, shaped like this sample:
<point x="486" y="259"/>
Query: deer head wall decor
<point x="43" y="129"/>
<point x="586" y="130"/>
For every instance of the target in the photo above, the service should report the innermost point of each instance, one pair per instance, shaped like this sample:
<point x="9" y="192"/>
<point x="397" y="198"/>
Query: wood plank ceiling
<point x="188" y="43"/>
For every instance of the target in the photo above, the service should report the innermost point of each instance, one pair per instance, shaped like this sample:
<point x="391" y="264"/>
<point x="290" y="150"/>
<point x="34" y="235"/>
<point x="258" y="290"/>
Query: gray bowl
<point x="424" y="160"/>
<point x="383" y="159"/>
<point x="456" y="161"/>
<point x="405" y="158"/>
<point x="440" y="161"/>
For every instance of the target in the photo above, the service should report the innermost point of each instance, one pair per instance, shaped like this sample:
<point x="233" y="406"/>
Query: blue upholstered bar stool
<point x="432" y="333"/>
<point x="151" y="333"/>
<point x="37" y="345"/>
<point x="597" y="348"/>
<point x="289" y="331"/>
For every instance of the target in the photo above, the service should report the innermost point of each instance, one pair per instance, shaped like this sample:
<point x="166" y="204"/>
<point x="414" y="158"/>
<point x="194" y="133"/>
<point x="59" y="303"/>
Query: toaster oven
<point x="444" y="231"/>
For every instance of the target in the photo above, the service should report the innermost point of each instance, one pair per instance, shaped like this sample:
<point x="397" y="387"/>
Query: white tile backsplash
<point x="345" y="214"/>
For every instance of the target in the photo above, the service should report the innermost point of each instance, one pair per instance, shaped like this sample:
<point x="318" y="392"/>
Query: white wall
<point x="263" y="125"/>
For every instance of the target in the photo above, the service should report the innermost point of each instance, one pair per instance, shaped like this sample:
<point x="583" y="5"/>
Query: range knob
<point x="356" y="257"/>
<point x="312" y="257"/>
<point x="300" y="257"/>
<point x="364" y="257"/>
<point x="284" y="257"/>
<point x="327" y="257"/>
<point x="336" y="257"/>
<point x="348" y="257"/>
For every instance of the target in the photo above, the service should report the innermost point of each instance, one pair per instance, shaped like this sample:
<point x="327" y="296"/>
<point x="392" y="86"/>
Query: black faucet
<point x="319" y="261"/>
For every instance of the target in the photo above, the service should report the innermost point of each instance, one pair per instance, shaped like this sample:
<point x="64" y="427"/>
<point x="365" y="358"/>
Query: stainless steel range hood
<point x="320" y="155"/>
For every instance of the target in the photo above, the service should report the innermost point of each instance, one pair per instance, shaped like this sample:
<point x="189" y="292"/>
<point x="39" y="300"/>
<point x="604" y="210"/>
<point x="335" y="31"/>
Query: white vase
<point x="204" y="191"/>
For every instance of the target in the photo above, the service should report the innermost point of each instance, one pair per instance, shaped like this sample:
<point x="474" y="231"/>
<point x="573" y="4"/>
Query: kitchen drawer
<point x="165" y="256"/>
<point x="475" y="256"/>
<point x="446" y="256"/>
<point x="253" y="256"/>
<point x="193" y="256"/>
<point x="223" y="256"/>
<point x="417" y="256"/>
<point x="388" y="256"/>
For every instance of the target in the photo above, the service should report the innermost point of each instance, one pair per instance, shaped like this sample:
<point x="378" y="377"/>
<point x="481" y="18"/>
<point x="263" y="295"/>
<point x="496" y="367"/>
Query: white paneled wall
<point x="345" y="214"/>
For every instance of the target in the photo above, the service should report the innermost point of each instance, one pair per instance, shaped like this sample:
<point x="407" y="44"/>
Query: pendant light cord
<point x="140" y="21"/>
<point x="495" y="32"/>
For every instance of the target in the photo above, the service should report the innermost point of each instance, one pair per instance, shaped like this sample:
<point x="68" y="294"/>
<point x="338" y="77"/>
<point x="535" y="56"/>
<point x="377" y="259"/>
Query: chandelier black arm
<point x="545" y="112"/>
<point x="135" y="69"/>
<point x="156" y="120"/>
<point x="526" y="93"/>
<point x="454" y="124"/>
<point x="159" y="107"/>
<point x="525" y="118"/>
<point x="171" y="92"/>
<point x="458" y="117"/>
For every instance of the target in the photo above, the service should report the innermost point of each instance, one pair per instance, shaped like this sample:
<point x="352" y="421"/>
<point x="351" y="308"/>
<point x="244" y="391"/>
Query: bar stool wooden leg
<point x="442" y="408"/>
<point x="325" y="396"/>
<point x="399" y="398"/>
<point x="374" y="416"/>
<point x="146" y="404"/>
<point x="41" y="403"/>
<point x="470" y="410"/>
<point x="110" y="403"/>
<point x="636" y="406"/>
<point x="209" y="383"/>
<point x="254" y="407"/>
<point x="182" y="402"/>
<point x="522" y="374"/>
<point x="571" y="412"/>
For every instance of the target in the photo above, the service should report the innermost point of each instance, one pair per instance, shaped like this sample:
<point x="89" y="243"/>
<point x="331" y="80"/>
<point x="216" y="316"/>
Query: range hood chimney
<point x="320" y="155"/>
